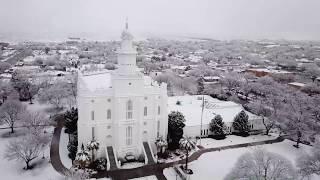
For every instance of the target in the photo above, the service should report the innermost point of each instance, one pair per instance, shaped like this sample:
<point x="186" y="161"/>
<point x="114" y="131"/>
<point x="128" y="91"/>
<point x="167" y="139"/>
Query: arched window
<point x="129" y="135"/>
<point x="129" y="109"/>
<point x="145" y="111"/>
<point x="108" y="114"/>
<point x="158" y="110"/>
<point x="92" y="115"/>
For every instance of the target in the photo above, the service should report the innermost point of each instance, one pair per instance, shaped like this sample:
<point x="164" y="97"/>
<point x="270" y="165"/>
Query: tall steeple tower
<point x="127" y="53"/>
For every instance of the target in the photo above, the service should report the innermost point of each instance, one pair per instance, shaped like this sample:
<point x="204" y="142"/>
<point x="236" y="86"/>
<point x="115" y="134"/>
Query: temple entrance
<point x="145" y="136"/>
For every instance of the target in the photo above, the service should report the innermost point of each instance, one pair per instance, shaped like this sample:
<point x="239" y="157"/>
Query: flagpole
<point x="201" y="118"/>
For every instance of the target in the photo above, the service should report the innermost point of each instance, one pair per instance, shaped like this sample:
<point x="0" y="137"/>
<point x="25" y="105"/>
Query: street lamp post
<point x="202" y="107"/>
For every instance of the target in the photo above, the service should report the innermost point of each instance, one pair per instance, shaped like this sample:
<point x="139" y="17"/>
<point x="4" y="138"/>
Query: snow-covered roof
<point x="211" y="77"/>
<point x="96" y="80"/>
<point x="268" y="70"/>
<point x="297" y="84"/>
<point x="191" y="106"/>
<point x="101" y="80"/>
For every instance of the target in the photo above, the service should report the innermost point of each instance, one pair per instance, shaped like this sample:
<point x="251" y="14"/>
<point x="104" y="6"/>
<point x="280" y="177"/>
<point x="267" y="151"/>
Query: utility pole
<point x="202" y="107"/>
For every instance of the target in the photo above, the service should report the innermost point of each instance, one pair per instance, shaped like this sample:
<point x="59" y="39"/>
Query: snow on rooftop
<point x="97" y="80"/>
<point x="101" y="80"/>
<point x="297" y="84"/>
<point x="190" y="107"/>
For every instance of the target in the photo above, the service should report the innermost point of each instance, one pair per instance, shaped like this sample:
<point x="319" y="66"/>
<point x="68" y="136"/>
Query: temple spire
<point x="127" y="26"/>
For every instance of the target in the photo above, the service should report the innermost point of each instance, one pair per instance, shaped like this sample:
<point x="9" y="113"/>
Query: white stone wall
<point x="195" y="131"/>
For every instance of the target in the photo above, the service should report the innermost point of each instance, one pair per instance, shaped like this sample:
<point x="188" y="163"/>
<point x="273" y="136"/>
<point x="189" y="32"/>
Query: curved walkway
<point x="54" y="148"/>
<point x="147" y="170"/>
<point x="157" y="169"/>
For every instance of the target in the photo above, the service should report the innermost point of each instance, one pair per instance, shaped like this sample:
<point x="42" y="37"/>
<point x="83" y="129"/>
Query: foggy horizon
<point x="104" y="20"/>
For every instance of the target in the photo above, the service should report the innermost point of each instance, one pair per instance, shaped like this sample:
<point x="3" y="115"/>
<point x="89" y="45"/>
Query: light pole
<point x="202" y="107"/>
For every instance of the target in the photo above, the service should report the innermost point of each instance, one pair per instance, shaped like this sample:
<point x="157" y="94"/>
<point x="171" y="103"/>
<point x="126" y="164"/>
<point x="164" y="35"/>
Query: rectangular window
<point x="108" y="114"/>
<point x="129" y="135"/>
<point x="92" y="131"/>
<point x="145" y="111"/>
<point x="158" y="110"/>
<point x="158" y="129"/>
<point x="92" y="115"/>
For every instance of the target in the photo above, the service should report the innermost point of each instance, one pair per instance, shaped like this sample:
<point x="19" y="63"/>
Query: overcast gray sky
<point x="220" y="19"/>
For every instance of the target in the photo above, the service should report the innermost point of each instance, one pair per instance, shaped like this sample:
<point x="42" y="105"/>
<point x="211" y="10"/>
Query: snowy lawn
<point x="132" y="165"/>
<point x="232" y="140"/>
<point x="13" y="170"/>
<point x="146" y="178"/>
<point x="64" y="139"/>
<point x="216" y="165"/>
<point x="170" y="174"/>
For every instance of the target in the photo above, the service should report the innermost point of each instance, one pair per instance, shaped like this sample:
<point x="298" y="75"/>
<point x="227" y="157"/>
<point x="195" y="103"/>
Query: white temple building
<point x="123" y="110"/>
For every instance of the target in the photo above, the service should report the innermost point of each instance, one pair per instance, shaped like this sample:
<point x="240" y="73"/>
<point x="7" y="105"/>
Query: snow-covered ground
<point x="146" y="178"/>
<point x="13" y="170"/>
<point x="64" y="139"/>
<point x="170" y="174"/>
<point x="232" y="140"/>
<point x="132" y="165"/>
<point x="216" y="165"/>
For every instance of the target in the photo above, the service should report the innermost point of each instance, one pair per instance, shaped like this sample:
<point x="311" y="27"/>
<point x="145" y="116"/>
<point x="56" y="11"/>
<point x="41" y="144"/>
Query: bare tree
<point x="10" y="112"/>
<point x="309" y="164"/>
<point x="231" y="81"/>
<point x="77" y="175"/>
<point x="34" y="121"/>
<point x="296" y="116"/>
<point x="55" y="94"/>
<point x="26" y="149"/>
<point x="6" y="91"/>
<point x="262" y="165"/>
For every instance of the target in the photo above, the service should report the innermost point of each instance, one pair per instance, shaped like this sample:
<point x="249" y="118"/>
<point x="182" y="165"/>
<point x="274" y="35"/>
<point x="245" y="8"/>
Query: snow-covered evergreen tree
<point x="241" y="123"/>
<point x="187" y="145"/>
<point x="175" y="128"/>
<point x="82" y="157"/>
<point x="93" y="146"/>
<point x="217" y="126"/>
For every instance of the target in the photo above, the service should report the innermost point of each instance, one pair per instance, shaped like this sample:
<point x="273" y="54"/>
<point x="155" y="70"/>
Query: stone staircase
<point x="148" y="153"/>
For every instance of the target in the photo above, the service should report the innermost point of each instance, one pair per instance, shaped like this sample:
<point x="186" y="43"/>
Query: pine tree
<point x="175" y="129"/>
<point x="200" y="86"/>
<point x="73" y="147"/>
<point x="217" y="127"/>
<point x="241" y="123"/>
<point x="71" y="119"/>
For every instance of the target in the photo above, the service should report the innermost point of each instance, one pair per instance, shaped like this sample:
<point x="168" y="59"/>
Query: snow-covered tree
<point x="82" y="157"/>
<point x="6" y="90"/>
<point x="55" y="94"/>
<point x="261" y="108"/>
<point x="296" y="116"/>
<point x="34" y="121"/>
<point x="26" y="148"/>
<point x="231" y="81"/>
<point x="309" y="164"/>
<point x="241" y="123"/>
<point x="10" y="112"/>
<point x="217" y="127"/>
<point x="200" y="88"/>
<point x="78" y="174"/>
<point x="262" y="165"/>
<point x="187" y="145"/>
<point x="93" y="146"/>
<point x="71" y="119"/>
<point x="176" y="124"/>
<point x="161" y="145"/>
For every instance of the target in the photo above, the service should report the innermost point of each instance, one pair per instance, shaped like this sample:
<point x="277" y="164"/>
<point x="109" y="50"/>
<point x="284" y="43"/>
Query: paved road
<point x="147" y="170"/>
<point x="54" y="148"/>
